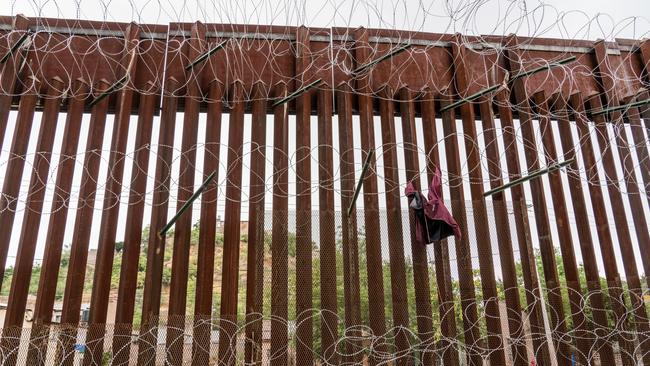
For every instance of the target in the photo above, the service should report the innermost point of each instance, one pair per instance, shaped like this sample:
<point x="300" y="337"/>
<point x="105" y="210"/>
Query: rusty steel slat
<point x="207" y="230"/>
<point x="183" y="227"/>
<point x="11" y="189"/>
<point x="641" y="146"/>
<point x="644" y="123"/>
<point x="526" y="252"/>
<point x="83" y="220"/>
<point x="418" y="250"/>
<point x="629" y="176"/>
<point x="504" y="238"/>
<point x="156" y="244"/>
<point x="446" y="306"/>
<point x="463" y="252"/>
<point x="441" y="249"/>
<point x="376" y="310"/>
<point x="19" y="289"/>
<point x="611" y="96"/>
<point x="547" y="247"/>
<point x="483" y="237"/>
<point x="571" y="273"/>
<point x="304" y="290"/>
<point x="33" y="207"/>
<point x="279" y="239"/>
<point x="135" y="212"/>
<point x="73" y="292"/>
<point x="604" y="347"/>
<point x="395" y="229"/>
<point x="14" y="169"/>
<point x="133" y="231"/>
<point x="46" y="293"/>
<point x="327" y="228"/>
<point x="9" y="76"/>
<point x="255" y="260"/>
<point x="645" y="115"/>
<point x="111" y="206"/>
<point x="633" y="192"/>
<point x="623" y="233"/>
<point x="349" y="236"/>
<point x="231" y="230"/>
<point x="644" y="54"/>
<point x="615" y="287"/>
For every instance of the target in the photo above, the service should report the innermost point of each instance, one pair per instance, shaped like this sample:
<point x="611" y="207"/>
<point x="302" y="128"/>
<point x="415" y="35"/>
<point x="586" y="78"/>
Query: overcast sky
<point x="586" y="19"/>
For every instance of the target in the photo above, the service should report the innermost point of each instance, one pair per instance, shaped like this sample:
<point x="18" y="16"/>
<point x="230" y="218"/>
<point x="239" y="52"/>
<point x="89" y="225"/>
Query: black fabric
<point x="434" y="230"/>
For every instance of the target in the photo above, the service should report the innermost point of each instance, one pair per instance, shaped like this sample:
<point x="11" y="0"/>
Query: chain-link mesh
<point x="345" y="327"/>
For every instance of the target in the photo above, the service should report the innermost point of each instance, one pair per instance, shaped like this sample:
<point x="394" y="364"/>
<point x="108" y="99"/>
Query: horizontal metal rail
<point x="366" y="164"/>
<point x="395" y="52"/>
<point x="187" y="205"/>
<point x="530" y="176"/>
<point x="542" y="68"/>
<point x="205" y="55"/>
<point x="621" y="107"/>
<point x="471" y="97"/>
<point x="14" y="48"/>
<point x="298" y="92"/>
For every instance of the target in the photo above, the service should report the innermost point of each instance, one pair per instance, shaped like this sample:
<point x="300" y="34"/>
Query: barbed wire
<point x="355" y="342"/>
<point x="239" y="51"/>
<point x="450" y="179"/>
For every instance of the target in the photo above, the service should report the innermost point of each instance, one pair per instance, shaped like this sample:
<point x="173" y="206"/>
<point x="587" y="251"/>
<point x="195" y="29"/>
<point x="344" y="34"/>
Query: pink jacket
<point x="433" y="221"/>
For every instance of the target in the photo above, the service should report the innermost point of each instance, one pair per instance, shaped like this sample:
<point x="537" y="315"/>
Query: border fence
<point x="553" y="271"/>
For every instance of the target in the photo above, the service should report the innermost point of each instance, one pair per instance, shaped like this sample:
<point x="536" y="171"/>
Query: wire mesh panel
<point x="59" y="342"/>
